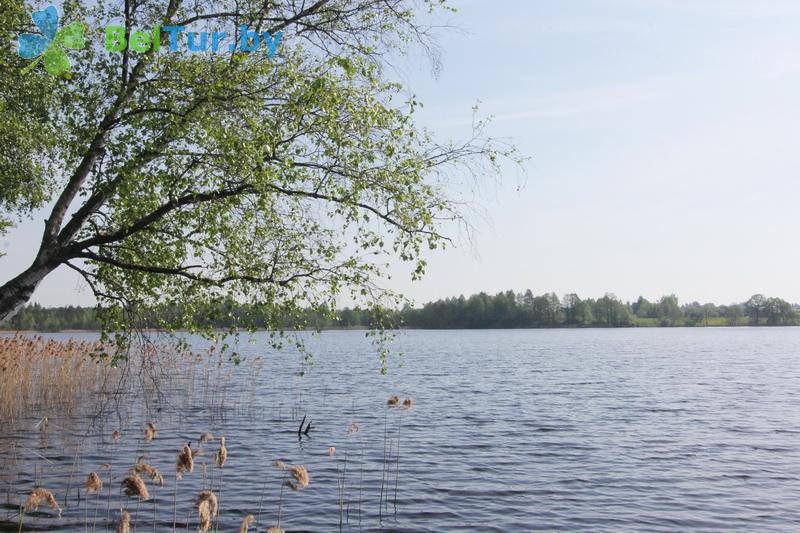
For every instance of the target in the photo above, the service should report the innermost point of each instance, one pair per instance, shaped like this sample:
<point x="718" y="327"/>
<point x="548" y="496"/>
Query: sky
<point x="664" y="143"/>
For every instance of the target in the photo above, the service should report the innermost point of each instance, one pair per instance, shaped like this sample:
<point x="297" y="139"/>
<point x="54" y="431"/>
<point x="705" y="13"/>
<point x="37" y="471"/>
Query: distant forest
<point x="503" y="310"/>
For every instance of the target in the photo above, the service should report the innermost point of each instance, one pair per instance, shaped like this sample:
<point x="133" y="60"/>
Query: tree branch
<point x="155" y="216"/>
<point x="183" y="272"/>
<point x="95" y="150"/>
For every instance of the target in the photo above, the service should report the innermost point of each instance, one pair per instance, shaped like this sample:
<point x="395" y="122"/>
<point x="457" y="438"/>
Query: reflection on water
<point x="568" y="430"/>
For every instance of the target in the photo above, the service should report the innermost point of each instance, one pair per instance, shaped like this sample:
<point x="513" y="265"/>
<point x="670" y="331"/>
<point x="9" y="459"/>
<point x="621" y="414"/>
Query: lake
<point x="657" y="429"/>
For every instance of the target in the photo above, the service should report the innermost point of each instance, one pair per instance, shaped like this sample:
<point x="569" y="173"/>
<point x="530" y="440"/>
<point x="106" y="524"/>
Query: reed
<point x="139" y="481"/>
<point x="207" y="509"/>
<point x="149" y="432"/>
<point x="154" y="475"/>
<point x="110" y="481"/>
<point x="219" y="459"/>
<point x="150" y="471"/>
<point x="406" y="407"/>
<point x="39" y="496"/>
<point x="341" y="478"/>
<point x="246" y="523"/>
<point x="279" y="465"/>
<point x="388" y="445"/>
<point x="124" y="523"/>
<point x="71" y="473"/>
<point x="133" y="486"/>
<point x="301" y="478"/>
<point x="175" y="503"/>
<point x="392" y="402"/>
<point x="352" y="430"/>
<point x="39" y="375"/>
<point x="221" y="455"/>
<point x="185" y="461"/>
<point x="93" y="485"/>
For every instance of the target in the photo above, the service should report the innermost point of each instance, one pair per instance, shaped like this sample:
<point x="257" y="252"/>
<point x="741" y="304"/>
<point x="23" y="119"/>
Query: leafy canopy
<point x="187" y="180"/>
<point x="28" y="136"/>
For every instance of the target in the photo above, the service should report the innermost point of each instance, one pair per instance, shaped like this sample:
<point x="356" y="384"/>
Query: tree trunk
<point x="16" y="293"/>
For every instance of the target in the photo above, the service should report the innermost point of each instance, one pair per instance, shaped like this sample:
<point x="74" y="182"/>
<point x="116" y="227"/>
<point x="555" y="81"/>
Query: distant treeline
<point x="525" y="310"/>
<point x="503" y="310"/>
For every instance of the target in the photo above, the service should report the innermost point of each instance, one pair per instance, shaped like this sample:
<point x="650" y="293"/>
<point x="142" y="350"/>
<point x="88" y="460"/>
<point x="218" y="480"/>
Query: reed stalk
<point x="175" y="504"/>
<point x="108" y="507"/>
<point x="383" y="465"/>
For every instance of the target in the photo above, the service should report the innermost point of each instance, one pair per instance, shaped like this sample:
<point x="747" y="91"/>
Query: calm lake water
<point x="522" y="430"/>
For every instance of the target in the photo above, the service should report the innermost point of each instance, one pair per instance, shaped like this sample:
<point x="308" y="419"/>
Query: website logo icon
<point x="51" y="44"/>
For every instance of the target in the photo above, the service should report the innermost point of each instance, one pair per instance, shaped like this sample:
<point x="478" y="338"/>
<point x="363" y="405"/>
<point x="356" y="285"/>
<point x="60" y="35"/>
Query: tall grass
<point x="37" y="375"/>
<point x="50" y="380"/>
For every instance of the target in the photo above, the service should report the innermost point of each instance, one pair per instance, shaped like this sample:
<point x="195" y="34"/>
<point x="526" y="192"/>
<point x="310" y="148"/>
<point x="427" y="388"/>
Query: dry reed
<point x="134" y="487"/>
<point x="37" y="497"/>
<point x="39" y="375"/>
<point x="246" y="523"/>
<point x="407" y="404"/>
<point x="222" y="455"/>
<point x="185" y="461"/>
<point x="149" y="431"/>
<point x="296" y="477"/>
<point x="93" y="483"/>
<point x="300" y="475"/>
<point x="275" y="529"/>
<point x="207" y="508"/>
<point x="152" y="472"/>
<point x="124" y="523"/>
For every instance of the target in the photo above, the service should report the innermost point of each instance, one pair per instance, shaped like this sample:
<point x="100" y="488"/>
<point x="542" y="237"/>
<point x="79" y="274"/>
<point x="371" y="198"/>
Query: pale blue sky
<point x="665" y="143"/>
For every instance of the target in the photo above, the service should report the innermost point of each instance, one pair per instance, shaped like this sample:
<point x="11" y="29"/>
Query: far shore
<point x="364" y="328"/>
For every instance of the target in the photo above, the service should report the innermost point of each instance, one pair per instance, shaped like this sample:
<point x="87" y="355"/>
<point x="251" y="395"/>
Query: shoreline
<point x="364" y="328"/>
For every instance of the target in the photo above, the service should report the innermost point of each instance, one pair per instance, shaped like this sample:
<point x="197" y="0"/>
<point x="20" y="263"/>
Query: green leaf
<point x="346" y="65"/>
<point x="55" y="60"/>
<point x="268" y="205"/>
<point x="71" y="36"/>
